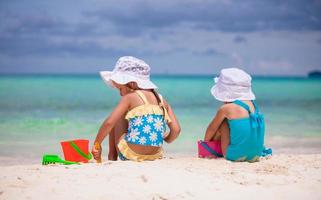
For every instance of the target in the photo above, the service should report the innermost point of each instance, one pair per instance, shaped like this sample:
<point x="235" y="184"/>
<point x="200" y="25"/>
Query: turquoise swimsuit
<point x="246" y="135"/>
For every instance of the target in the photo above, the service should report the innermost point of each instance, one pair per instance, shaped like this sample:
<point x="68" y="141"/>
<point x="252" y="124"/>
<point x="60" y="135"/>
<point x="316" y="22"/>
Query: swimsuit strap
<point x="243" y="105"/>
<point x="142" y="96"/>
<point x="161" y="99"/>
<point x="257" y="110"/>
<point x="166" y="116"/>
<point x="256" y="118"/>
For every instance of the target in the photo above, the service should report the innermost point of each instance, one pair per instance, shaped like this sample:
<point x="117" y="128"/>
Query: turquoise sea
<point x="39" y="111"/>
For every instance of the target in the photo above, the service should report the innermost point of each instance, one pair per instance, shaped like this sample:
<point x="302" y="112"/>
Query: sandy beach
<point x="282" y="176"/>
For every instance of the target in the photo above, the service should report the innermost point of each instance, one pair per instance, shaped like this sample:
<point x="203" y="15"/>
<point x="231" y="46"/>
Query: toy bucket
<point x="76" y="150"/>
<point x="211" y="149"/>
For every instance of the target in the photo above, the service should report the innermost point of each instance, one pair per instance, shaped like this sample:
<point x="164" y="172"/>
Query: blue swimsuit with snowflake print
<point x="146" y="124"/>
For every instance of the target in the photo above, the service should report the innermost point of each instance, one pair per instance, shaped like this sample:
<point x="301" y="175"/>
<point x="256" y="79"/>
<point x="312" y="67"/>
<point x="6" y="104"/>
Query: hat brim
<point x="121" y="78"/>
<point x="105" y="75"/>
<point x="224" y="95"/>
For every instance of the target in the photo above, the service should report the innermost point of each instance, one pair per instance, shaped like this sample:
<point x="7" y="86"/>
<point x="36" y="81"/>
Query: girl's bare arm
<point x="215" y="124"/>
<point x="111" y="120"/>
<point x="174" y="126"/>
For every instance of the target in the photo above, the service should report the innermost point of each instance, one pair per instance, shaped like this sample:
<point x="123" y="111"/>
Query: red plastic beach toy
<point x="76" y="150"/>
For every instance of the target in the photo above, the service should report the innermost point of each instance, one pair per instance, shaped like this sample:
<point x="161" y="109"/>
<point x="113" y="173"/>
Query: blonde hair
<point x="158" y="98"/>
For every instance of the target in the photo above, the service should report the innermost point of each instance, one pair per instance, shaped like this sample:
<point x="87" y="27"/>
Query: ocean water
<point x="37" y="112"/>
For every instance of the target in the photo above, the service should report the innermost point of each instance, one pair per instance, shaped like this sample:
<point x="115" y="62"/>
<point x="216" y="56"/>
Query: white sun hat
<point x="129" y="69"/>
<point x="232" y="84"/>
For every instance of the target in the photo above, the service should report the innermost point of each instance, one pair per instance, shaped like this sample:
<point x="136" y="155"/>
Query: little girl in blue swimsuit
<point x="137" y="126"/>
<point x="239" y="124"/>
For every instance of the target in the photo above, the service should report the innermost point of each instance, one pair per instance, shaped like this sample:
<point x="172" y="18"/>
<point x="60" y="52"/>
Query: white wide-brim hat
<point x="129" y="69"/>
<point x="232" y="84"/>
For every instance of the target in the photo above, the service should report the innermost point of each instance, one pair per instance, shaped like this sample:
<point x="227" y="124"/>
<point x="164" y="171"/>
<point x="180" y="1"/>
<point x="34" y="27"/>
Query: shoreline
<point x="280" y="146"/>
<point x="283" y="176"/>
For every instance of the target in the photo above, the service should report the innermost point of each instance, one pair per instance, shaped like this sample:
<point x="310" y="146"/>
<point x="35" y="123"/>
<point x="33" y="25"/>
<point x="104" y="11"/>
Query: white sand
<point x="280" y="177"/>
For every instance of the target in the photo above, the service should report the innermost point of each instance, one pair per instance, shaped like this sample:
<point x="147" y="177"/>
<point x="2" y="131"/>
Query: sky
<point x="263" y="37"/>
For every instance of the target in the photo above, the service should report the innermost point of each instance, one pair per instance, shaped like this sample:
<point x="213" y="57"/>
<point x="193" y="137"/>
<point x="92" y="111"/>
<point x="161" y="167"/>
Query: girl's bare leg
<point x="114" y="137"/>
<point x="223" y="134"/>
<point x="112" y="154"/>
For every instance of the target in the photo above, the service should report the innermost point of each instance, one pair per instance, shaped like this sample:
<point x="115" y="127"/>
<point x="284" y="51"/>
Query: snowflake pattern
<point x="146" y="130"/>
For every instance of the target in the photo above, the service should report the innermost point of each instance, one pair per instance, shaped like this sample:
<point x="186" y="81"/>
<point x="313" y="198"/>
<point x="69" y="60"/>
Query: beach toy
<point x="211" y="149"/>
<point x="98" y="148"/>
<point x="76" y="150"/>
<point x="53" y="159"/>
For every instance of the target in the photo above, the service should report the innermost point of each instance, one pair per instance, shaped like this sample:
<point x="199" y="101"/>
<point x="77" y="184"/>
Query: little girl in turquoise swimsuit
<point x="137" y="125"/>
<point x="238" y="123"/>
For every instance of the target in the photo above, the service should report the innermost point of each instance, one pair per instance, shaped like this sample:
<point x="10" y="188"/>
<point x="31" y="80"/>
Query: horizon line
<point x="154" y="75"/>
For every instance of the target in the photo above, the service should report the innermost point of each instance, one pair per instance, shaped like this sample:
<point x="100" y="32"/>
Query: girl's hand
<point x="96" y="153"/>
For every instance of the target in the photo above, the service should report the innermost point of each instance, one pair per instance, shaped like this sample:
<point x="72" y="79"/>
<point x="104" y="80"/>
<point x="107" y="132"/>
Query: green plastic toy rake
<point x="53" y="159"/>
